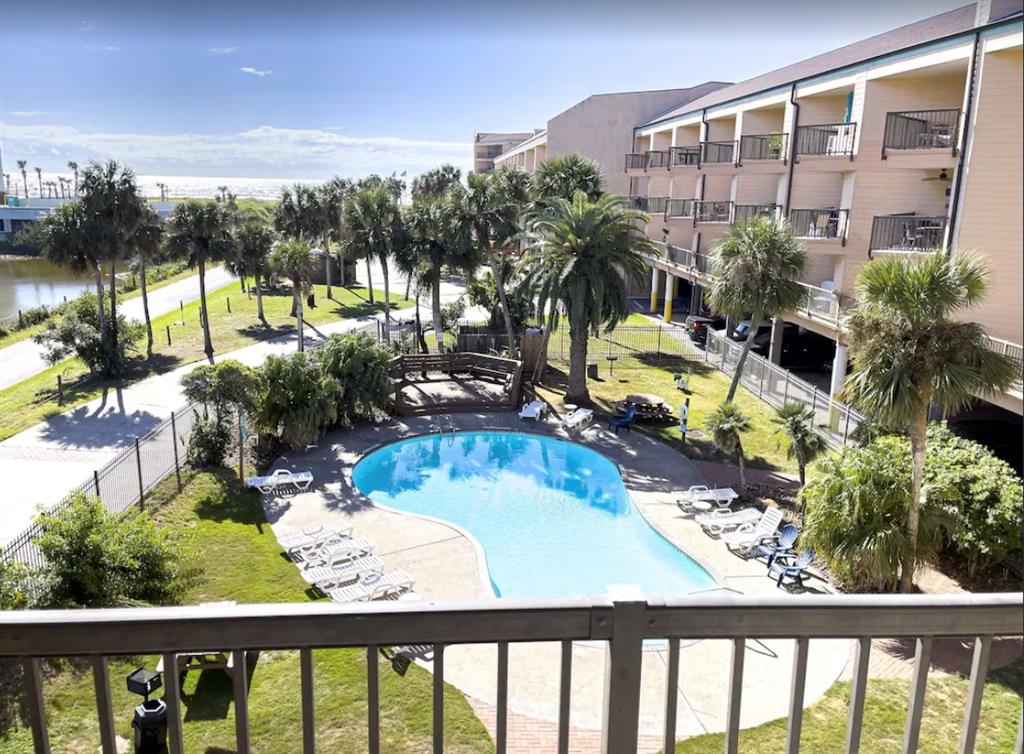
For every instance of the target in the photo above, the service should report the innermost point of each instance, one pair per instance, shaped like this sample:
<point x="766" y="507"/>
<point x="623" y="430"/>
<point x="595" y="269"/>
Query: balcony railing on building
<point x="658" y="158"/>
<point x="685" y="156"/>
<point x="747" y="212"/>
<point x="714" y="212"/>
<point x="693" y="260"/>
<point x="907" y="233"/>
<point x="921" y="129"/>
<point x="681" y="208"/>
<point x="1014" y="351"/>
<point x="763" y="147"/>
<point x="826" y="139"/>
<point x="636" y="161"/>
<point x="718" y="151"/>
<point x="656" y="204"/>
<point x="828" y="223"/>
<point x="637" y="202"/>
<point x="820" y="303"/>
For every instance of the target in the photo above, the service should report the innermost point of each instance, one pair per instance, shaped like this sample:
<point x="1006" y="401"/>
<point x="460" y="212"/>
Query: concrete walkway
<point x="24" y="359"/>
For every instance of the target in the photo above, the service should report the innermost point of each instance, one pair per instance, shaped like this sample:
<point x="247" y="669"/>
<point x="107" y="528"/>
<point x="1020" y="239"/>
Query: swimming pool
<point x="553" y="517"/>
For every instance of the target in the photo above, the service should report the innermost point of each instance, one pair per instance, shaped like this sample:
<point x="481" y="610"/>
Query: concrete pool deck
<point x="445" y="564"/>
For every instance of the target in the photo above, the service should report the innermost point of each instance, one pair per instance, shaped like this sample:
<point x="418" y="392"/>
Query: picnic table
<point x="649" y="407"/>
<point x="215" y="659"/>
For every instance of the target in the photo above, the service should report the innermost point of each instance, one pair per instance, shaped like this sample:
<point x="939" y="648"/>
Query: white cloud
<point x="254" y="71"/>
<point x="103" y="48"/>
<point x="29" y="113"/>
<point x="264" y="150"/>
<point x="222" y="50"/>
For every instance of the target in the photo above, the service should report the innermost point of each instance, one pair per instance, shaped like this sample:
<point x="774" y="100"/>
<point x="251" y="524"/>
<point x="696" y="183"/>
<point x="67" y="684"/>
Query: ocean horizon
<point x="186" y="186"/>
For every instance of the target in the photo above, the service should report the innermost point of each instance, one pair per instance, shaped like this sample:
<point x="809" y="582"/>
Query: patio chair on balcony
<point x="299" y="545"/>
<point x="792" y="567"/>
<point x="385" y="586"/>
<point x="719" y="521"/>
<point x="326" y="577"/>
<point x="772" y="547"/>
<point x="744" y="537"/>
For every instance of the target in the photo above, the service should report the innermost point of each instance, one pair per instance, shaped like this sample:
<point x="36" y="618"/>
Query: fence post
<point x="241" y="446"/>
<point x="659" y="343"/>
<point x="181" y="308"/>
<point x="814" y="399"/>
<point x="622" y="672"/>
<point x="760" y="382"/>
<point x="228" y="299"/>
<point x="21" y="324"/>
<point x="96" y="483"/>
<point x="785" y="391"/>
<point x="60" y="391"/>
<point x="138" y="467"/>
<point x="846" y="429"/>
<point x="168" y="334"/>
<point x="174" y="444"/>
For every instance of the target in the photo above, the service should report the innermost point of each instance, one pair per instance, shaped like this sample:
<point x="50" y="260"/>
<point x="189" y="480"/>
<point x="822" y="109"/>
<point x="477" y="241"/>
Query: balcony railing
<point x="819" y="223"/>
<point x="658" y="158"/>
<point x="827" y="139"/>
<point x="624" y="623"/>
<point x="714" y="212"/>
<point x="909" y="233"/>
<point x="820" y="303"/>
<point x="681" y="208"/>
<point x="921" y="129"/>
<point x="747" y="212"/>
<point x="718" y="151"/>
<point x="1014" y="351"/>
<point x="763" y="147"/>
<point x="685" y="156"/>
<point x="638" y="202"/>
<point x="694" y="260"/>
<point x="635" y="161"/>
<point x="657" y="204"/>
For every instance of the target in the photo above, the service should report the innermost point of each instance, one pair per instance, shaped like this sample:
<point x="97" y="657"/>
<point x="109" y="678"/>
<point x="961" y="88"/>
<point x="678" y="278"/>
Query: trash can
<point x="591" y="370"/>
<point x="150" y="726"/>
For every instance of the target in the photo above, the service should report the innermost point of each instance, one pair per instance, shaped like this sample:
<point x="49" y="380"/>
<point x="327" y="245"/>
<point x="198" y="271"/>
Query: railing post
<point x="846" y="429"/>
<point x="785" y="390"/>
<point x="174" y="444"/>
<point x="36" y="705"/>
<point x="138" y="467"/>
<point x="622" y="672"/>
<point x="96" y="483"/>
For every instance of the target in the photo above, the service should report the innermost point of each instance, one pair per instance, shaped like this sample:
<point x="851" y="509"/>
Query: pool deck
<point x="445" y="564"/>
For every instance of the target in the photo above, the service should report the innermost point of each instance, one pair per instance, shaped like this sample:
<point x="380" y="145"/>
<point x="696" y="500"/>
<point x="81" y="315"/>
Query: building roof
<point x="492" y="137"/>
<point x="920" y="32"/>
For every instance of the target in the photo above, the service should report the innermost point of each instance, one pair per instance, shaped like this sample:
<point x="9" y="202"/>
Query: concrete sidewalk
<point x="24" y="359"/>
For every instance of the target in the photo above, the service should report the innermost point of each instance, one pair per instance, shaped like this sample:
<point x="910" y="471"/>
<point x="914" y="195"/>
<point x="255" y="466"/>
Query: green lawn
<point x="232" y="544"/>
<point x="885" y="710"/>
<point x="35" y="399"/>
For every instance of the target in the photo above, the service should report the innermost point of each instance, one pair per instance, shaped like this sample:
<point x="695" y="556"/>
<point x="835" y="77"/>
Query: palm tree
<point x="22" y="166"/>
<point x="373" y="227"/>
<point x="332" y="197"/>
<point x="494" y="203"/>
<point x="300" y="215"/>
<point x="726" y="424"/>
<point x="795" y="423"/>
<point x="433" y="184"/>
<point x="148" y="247"/>
<point x="200" y="232"/>
<point x="585" y="254"/>
<point x="254" y="239"/>
<point x="757" y="266"/>
<point x="73" y="166"/>
<point x="294" y="260"/>
<point x="561" y="177"/>
<point x="39" y="177"/>
<point x="910" y="349"/>
<point x="163" y="191"/>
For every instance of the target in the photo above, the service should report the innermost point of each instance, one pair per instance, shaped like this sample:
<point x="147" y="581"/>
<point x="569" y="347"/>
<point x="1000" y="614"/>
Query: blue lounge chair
<point x="623" y="420"/>
<point x="773" y="546"/>
<point x="792" y="567"/>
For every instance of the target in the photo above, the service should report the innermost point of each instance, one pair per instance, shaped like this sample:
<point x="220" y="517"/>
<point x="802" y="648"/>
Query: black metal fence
<point x="747" y="212"/>
<point x="907" y="233"/>
<point x="719" y="151"/>
<point x="628" y="346"/>
<point x="636" y="161"/>
<point x="921" y="129"/>
<point x="658" y="158"/>
<point x="714" y="212"/>
<point x="684" y="156"/>
<point x="681" y="208"/>
<point x="763" y="146"/>
<point x="819" y="223"/>
<point x="657" y="204"/>
<point x="826" y="139"/>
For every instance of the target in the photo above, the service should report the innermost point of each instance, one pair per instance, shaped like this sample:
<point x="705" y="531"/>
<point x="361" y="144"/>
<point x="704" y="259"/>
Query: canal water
<point x="26" y="282"/>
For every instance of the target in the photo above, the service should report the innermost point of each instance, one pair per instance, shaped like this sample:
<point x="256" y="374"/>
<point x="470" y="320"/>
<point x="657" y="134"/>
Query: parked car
<point x="697" y="326"/>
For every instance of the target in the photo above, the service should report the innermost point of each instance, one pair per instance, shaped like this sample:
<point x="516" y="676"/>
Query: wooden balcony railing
<point x="624" y="622"/>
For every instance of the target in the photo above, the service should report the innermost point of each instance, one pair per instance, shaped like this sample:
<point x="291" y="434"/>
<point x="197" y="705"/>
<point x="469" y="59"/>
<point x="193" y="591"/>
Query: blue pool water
<point x="553" y="517"/>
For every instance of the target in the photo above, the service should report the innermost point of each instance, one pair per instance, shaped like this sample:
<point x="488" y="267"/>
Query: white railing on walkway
<point x="624" y="623"/>
<point x="1013" y="350"/>
<point x="820" y="303"/>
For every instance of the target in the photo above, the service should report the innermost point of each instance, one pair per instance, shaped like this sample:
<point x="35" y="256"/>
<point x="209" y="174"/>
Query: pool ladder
<point x="445" y="425"/>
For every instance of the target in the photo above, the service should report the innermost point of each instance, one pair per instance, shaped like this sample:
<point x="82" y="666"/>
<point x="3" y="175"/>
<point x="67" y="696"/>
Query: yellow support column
<point x="654" y="290"/>
<point x="669" y="292"/>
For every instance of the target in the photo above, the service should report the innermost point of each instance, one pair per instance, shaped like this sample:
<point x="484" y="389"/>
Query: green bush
<point x="34" y="316"/>
<point x="856" y="515"/>
<point x="298" y="402"/>
<point x="99" y="559"/>
<point x="16" y="592"/>
<point x="77" y="333"/>
<point x="208" y="443"/>
<point x="360" y="367"/>
<point x="224" y="387"/>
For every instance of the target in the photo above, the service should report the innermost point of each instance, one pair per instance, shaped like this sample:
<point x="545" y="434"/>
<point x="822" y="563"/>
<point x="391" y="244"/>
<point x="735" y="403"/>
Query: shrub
<point x="299" y="401"/>
<point x="225" y="387"/>
<point x="360" y="367"/>
<point x="77" y="333"/>
<point x="208" y="444"/>
<point x="99" y="559"/>
<point x="16" y="592"/>
<point x="857" y="510"/>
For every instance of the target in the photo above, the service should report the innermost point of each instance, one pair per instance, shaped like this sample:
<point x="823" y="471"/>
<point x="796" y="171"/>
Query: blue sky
<point x="309" y="89"/>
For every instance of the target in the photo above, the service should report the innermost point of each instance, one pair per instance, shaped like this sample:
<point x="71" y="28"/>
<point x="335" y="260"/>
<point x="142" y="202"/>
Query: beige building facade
<point x="488" y="146"/>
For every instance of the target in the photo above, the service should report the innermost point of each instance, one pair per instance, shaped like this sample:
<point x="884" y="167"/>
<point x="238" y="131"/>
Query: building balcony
<point x="658" y="158"/>
<point x="921" y="129"/>
<point x="1014" y="351"/>
<point x="763" y="147"/>
<point x="681" y="208"/>
<point x="907" y="233"/>
<point x="826" y="140"/>
<point x="656" y="204"/>
<point x="746" y="212"/>
<point x="820" y="304"/>
<point x="828" y="223"/>
<point x="622" y="623"/>
<point x="636" y="161"/>
<point x="718" y="152"/>
<point x="714" y="212"/>
<point x="682" y="157"/>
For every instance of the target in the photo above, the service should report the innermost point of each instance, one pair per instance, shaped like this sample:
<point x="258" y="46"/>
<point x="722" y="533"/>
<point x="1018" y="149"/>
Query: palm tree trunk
<point x="435" y="306"/>
<point x="577" y="390"/>
<point x="101" y="315"/>
<point x="327" y="266"/>
<point x="297" y="292"/>
<point x="113" y="310"/>
<point x="387" y="301"/>
<point x="259" y="299"/>
<point x="755" y="323"/>
<point x="408" y="286"/>
<point x="542" y="358"/>
<point x="369" y="278"/>
<point x="499" y="284"/>
<point x="743" y="468"/>
<point x="341" y="267"/>
<point x="145" y="307"/>
<point x="918" y="446"/>
<point x="419" y="328"/>
<point x="207" y="343"/>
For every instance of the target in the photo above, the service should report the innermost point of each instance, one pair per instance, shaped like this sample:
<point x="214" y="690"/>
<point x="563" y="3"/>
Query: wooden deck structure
<point x="454" y="382"/>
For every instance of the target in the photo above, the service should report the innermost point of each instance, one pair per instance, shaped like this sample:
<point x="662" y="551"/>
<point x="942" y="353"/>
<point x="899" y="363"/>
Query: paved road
<point x="42" y="464"/>
<point x="24" y="359"/>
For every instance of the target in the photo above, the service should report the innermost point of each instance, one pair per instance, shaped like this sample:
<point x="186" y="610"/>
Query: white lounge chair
<point x="722" y="520"/>
<point x="747" y="535"/>
<point x="578" y="418"/>
<point x="392" y="584"/>
<point x="301" y="544"/>
<point x="281" y="478"/>
<point x="332" y="576"/>
<point x="339" y="552"/>
<point x="533" y="410"/>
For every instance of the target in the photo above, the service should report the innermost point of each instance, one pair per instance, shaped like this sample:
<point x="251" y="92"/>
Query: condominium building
<point x="488" y="146"/>
<point x="897" y="144"/>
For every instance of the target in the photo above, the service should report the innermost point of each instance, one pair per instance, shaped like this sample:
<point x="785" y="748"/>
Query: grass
<point x="232" y="544"/>
<point x="885" y="710"/>
<point x="35" y="399"/>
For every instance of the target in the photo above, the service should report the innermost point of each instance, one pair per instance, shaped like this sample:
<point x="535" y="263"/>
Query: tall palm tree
<point x="148" y="248"/>
<point x="163" y="191"/>
<point x="910" y="349"/>
<point x="200" y="232"/>
<point x="585" y="254"/>
<point x="300" y="215"/>
<point x="727" y="423"/>
<point x="23" y="167"/>
<point x="757" y="266"/>
<point x="73" y="166"/>
<point x="254" y="239"/>
<point x="561" y="177"/>
<point x="294" y="260"/>
<point x="332" y="197"/>
<point x="39" y="177"/>
<point x="795" y="422"/>
<point x="433" y="184"/>
<point x="373" y="227"/>
<point x="494" y="204"/>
